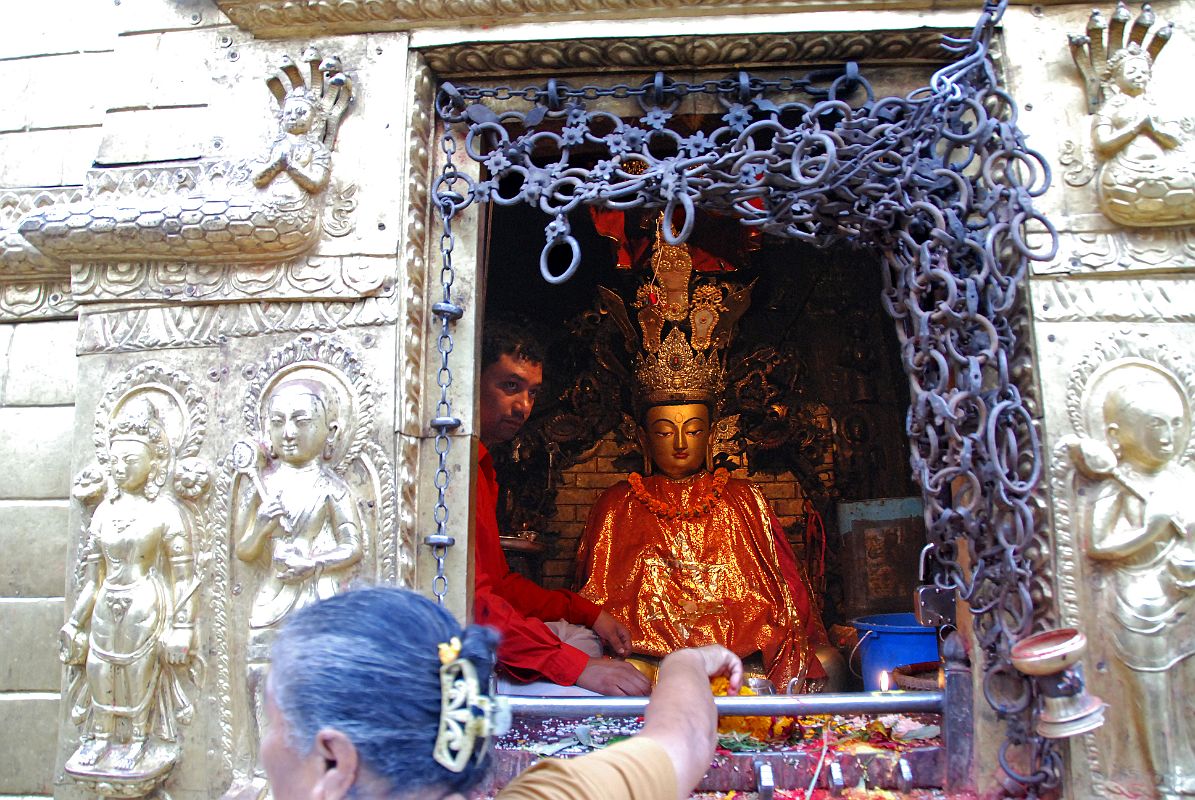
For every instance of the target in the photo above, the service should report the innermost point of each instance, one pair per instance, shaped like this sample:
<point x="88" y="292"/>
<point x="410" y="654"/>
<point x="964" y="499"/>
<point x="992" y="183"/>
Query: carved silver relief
<point x="132" y="640"/>
<point x="1125" y="554"/>
<point x="311" y="493"/>
<point x="264" y="210"/>
<point x="1142" y="144"/>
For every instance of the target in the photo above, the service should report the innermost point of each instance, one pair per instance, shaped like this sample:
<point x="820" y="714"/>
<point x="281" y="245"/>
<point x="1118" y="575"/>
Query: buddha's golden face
<point x="677" y="437"/>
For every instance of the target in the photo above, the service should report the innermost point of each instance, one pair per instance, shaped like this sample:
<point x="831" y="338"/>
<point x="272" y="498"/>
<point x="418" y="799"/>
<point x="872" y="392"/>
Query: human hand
<point x="611" y="677"/>
<point x="715" y="660"/>
<point x="272" y="512"/>
<point x="613" y="633"/>
<point x="177" y="645"/>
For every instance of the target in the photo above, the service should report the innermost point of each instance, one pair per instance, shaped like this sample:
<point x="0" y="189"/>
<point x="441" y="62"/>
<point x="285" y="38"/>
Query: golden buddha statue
<point x="689" y="556"/>
<point x="296" y="520"/>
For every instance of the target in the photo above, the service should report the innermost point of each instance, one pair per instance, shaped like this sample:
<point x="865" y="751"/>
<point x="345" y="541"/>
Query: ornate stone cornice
<point x="701" y="52"/>
<point x="277" y="18"/>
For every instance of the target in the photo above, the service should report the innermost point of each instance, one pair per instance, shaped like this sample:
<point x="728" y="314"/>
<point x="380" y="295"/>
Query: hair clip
<point x="450" y="650"/>
<point x="466" y="714"/>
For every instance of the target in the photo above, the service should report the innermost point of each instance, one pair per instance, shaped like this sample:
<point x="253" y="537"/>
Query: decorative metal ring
<point x="575" y="262"/>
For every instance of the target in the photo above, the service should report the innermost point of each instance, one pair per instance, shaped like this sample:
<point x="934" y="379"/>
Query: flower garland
<point x="666" y="510"/>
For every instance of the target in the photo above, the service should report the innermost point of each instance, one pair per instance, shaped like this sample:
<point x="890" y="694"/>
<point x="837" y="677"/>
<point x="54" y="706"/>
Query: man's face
<point x="677" y="437"/>
<point x="509" y="388"/>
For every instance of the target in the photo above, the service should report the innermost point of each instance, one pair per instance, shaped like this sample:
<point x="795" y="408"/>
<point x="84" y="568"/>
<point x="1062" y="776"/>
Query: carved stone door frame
<point x="954" y="253"/>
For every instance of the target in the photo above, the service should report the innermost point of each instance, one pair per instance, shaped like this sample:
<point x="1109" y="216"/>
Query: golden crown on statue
<point x="686" y="364"/>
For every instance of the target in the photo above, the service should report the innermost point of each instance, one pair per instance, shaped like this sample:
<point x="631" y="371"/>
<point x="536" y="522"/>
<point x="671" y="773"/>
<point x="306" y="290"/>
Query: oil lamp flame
<point x="883" y="680"/>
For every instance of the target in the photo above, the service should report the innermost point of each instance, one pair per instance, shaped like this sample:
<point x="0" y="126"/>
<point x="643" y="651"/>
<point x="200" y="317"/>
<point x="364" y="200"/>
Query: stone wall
<point x="52" y="105"/>
<point x="37" y="388"/>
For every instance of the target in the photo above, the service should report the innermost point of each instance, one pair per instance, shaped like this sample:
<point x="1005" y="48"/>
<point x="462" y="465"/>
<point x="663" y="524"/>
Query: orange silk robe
<point x="728" y="577"/>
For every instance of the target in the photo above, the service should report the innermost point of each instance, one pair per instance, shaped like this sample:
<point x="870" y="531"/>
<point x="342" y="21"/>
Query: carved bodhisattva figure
<point x="296" y="520"/>
<point x="1138" y="527"/>
<point x="1146" y="176"/>
<point x="130" y="633"/>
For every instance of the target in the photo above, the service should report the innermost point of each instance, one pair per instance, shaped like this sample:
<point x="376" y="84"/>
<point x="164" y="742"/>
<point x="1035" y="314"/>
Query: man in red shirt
<point x="511" y="378"/>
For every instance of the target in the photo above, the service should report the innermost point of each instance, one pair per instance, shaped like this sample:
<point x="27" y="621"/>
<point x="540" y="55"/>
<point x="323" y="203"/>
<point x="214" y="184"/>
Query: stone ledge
<point x="284" y="18"/>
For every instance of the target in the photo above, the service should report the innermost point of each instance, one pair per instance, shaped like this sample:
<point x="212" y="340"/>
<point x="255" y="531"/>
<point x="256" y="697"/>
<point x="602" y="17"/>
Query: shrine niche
<point x="823" y="159"/>
<point x="1121" y="481"/>
<point x="135" y="640"/>
<point x="811" y="414"/>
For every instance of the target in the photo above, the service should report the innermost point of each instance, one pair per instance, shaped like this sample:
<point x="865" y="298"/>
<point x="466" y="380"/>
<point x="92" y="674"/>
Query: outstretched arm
<point x="681" y="717"/>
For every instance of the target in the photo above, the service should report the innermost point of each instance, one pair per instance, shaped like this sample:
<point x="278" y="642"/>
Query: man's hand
<point x="681" y="716"/>
<point x="613" y="633"/>
<point x="718" y="661"/>
<point x="607" y="676"/>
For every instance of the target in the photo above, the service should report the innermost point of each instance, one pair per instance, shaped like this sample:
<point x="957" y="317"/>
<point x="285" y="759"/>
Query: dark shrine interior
<point x="814" y="384"/>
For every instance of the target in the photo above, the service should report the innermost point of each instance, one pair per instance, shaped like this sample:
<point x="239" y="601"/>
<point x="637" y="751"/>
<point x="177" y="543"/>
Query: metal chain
<point x="447" y="312"/>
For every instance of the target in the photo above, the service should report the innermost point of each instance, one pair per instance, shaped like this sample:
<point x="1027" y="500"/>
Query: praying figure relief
<point x="309" y="115"/>
<point x="305" y="494"/>
<point x="1136" y="524"/>
<point x="1146" y="177"/>
<point x="130" y="637"/>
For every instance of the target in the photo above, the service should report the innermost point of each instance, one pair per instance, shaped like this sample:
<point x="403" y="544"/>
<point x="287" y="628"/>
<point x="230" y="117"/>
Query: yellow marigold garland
<point x="670" y="511"/>
<point x="765" y="729"/>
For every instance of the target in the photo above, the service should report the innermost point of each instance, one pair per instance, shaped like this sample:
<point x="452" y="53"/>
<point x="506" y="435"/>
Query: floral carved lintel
<point x="704" y="52"/>
<point x="323" y="17"/>
<point x="263" y="210"/>
<point x="308" y="277"/>
<point x="205" y="325"/>
<point x="1122" y="251"/>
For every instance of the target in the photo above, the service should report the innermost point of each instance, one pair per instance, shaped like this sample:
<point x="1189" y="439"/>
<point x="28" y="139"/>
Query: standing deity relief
<point x="267" y="209"/>
<point x="132" y="641"/>
<point x="1126" y="528"/>
<point x="1142" y="143"/>
<point x="312" y="497"/>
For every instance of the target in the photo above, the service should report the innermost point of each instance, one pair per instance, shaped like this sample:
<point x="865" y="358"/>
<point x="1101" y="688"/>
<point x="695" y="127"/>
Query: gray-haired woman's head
<point x="366" y="663"/>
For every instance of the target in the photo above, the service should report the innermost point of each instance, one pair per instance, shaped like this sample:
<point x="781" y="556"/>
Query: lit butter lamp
<point x="1052" y="658"/>
<point x="884" y="680"/>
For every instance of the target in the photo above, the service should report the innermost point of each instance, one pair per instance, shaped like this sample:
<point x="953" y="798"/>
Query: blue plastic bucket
<point x="887" y="641"/>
